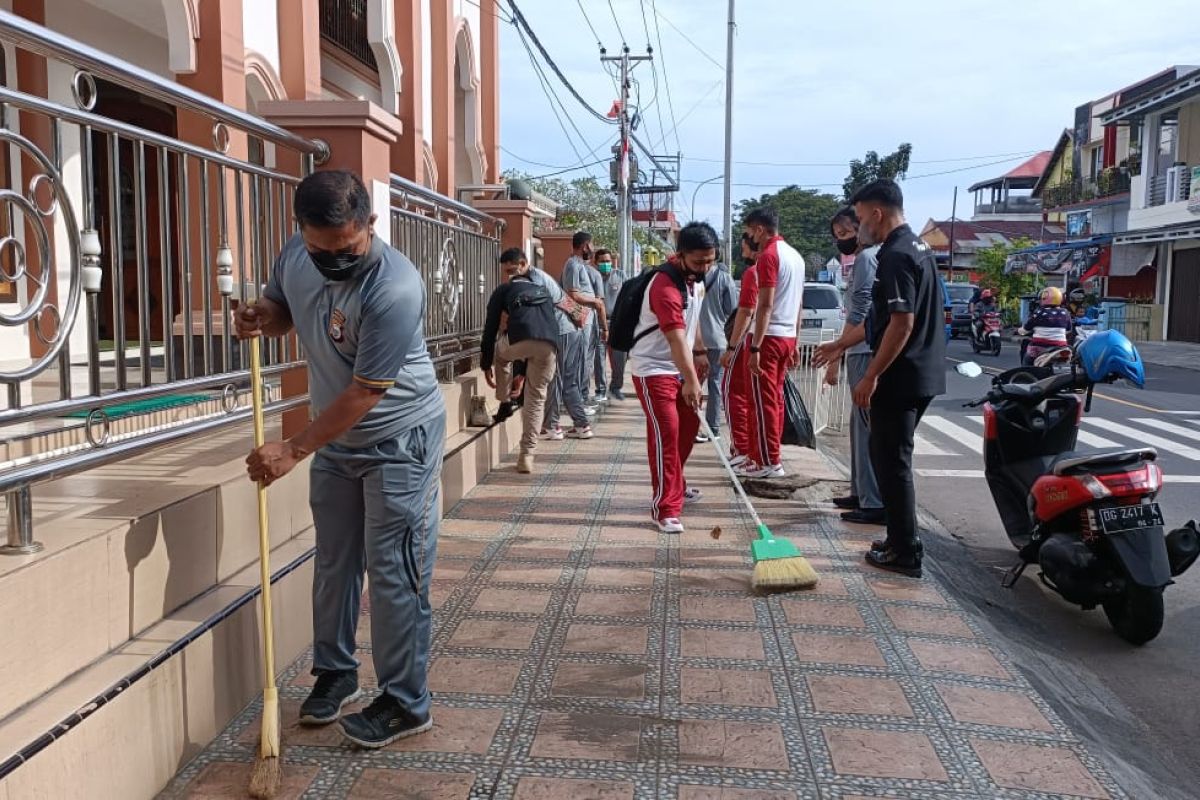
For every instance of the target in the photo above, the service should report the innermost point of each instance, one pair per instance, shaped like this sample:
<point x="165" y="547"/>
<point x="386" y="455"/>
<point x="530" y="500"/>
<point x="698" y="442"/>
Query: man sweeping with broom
<point x="357" y="306"/>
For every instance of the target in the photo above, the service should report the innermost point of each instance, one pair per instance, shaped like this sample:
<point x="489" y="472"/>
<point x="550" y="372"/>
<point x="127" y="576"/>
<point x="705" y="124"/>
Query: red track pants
<point x="736" y="391"/>
<point x="671" y="428"/>
<point x="766" y="398"/>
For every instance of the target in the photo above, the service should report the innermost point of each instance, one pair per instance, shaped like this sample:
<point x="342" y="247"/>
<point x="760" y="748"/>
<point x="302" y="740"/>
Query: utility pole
<point x="953" y="214"/>
<point x="622" y="151"/>
<point x="728" y="205"/>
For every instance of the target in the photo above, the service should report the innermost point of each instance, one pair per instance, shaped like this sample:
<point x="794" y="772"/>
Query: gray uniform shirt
<point x="858" y="294"/>
<point x="575" y="277"/>
<point x="612" y="287"/>
<point x="366" y="330"/>
<point x="720" y="300"/>
<point x="565" y="325"/>
<point x="597" y="281"/>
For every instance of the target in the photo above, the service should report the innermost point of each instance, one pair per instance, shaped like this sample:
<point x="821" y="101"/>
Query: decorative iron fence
<point x="1130" y="319"/>
<point x="344" y="25"/>
<point x="123" y="247"/>
<point x="457" y="250"/>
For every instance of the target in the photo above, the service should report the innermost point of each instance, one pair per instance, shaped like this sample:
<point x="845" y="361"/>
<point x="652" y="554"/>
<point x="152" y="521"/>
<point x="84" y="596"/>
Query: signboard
<point x="1194" y="202"/>
<point x="1079" y="224"/>
<point x="1057" y="261"/>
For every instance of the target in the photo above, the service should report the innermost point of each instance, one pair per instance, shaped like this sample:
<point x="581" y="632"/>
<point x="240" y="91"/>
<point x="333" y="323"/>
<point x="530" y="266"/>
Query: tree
<point x="583" y="204"/>
<point x="1008" y="286"/>
<point x="873" y="168"/>
<point x="804" y="216"/>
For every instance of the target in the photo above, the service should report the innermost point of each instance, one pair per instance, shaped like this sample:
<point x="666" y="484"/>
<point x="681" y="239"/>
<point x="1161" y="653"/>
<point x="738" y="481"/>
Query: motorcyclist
<point x="1049" y="327"/>
<point x="986" y="304"/>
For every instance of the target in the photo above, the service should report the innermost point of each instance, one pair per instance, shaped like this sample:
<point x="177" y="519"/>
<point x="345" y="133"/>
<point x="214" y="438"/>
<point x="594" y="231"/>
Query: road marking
<point x="924" y="447"/>
<point x="1178" y="430"/>
<point x="1142" y="437"/>
<point x="955" y="432"/>
<point x="974" y="474"/>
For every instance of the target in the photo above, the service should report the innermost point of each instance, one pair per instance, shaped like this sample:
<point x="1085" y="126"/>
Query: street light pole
<point x="728" y="198"/>
<point x="697" y="190"/>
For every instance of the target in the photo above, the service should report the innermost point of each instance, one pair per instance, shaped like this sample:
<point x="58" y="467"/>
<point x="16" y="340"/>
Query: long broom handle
<point x="737" y="483"/>
<point x="264" y="536"/>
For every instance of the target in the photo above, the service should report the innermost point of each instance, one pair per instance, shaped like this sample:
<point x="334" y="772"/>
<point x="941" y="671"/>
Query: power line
<point x="666" y="77"/>
<point x="498" y="13"/>
<point x="847" y="162"/>
<point x="620" y="32"/>
<point x="520" y="21"/>
<point x="588" y="20"/>
<point x="551" y="97"/>
<point x="688" y="39"/>
<point x="558" y="167"/>
<point x="565" y="170"/>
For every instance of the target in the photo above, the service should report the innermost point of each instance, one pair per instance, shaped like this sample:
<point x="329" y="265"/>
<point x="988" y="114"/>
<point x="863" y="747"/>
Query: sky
<point x="976" y="87"/>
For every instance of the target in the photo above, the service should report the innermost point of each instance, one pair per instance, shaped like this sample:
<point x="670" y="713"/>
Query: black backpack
<point x="627" y="310"/>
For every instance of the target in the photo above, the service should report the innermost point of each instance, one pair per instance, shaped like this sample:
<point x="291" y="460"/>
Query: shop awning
<point x="1129" y="259"/>
<point x="1067" y="258"/>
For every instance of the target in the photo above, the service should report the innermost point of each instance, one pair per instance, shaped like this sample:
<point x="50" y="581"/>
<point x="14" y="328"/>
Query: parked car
<point x="960" y="298"/>
<point x="824" y="314"/>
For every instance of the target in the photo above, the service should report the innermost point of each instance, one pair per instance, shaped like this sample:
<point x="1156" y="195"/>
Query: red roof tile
<point x="1033" y="168"/>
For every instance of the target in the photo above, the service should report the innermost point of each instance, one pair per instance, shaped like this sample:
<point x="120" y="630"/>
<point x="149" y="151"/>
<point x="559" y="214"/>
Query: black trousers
<point x="893" y="424"/>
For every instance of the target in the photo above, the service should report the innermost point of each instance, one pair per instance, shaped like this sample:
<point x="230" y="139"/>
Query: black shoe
<point x="866" y="516"/>
<point x="616" y="394"/>
<point x="893" y="560"/>
<point x="505" y="411"/>
<point x="881" y="545"/>
<point x="383" y="722"/>
<point x="849" y="502"/>
<point x="327" y="699"/>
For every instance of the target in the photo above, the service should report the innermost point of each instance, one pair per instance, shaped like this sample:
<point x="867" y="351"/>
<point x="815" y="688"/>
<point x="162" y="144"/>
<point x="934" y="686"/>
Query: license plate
<point x="1130" y="518"/>
<point x="811" y="323"/>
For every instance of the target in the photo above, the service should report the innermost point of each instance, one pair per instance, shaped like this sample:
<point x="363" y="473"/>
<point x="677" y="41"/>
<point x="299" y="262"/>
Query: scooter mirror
<point x="969" y="369"/>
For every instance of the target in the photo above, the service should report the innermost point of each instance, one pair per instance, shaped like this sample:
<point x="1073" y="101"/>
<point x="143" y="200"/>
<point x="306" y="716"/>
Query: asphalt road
<point x="1140" y="706"/>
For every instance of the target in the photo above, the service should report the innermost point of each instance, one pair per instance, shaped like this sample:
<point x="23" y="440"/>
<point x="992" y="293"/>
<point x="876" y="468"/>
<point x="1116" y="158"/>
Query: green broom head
<point x="767" y="547"/>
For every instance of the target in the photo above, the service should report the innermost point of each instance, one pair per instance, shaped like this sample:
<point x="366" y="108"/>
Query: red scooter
<point x="985" y="333"/>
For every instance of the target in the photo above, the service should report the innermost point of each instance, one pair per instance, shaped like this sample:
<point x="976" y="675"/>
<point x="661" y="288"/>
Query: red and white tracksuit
<point x="671" y="425"/>
<point x="735" y="386"/>
<point x="779" y="267"/>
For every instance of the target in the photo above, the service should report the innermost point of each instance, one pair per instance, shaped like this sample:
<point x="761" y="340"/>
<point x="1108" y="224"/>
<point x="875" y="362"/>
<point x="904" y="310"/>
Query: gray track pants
<point x="862" y="476"/>
<point x="376" y="511"/>
<point x="566" y="388"/>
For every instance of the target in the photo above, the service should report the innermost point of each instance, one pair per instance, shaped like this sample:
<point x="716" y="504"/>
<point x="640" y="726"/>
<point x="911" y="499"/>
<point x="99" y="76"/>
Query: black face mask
<point x="848" y="247"/>
<point x="339" y="266"/>
<point x="749" y="262"/>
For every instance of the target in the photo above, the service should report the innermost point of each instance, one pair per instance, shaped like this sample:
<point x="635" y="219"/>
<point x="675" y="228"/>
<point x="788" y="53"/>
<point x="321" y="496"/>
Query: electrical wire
<point x="588" y="20"/>
<point x="1024" y="154"/>
<point x="521" y="23"/>
<point x="550" y="96"/>
<point x="498" y="13"/>
<point x="688" y="39"/>
<point x="620" y="32"/>
<point x="565" y="170"/>
<point x="666" y="77"/>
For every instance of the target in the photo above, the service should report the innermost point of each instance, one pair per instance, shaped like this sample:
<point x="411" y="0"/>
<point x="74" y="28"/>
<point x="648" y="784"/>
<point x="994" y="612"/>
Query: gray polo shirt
<point x="565" y="325"/>
<point x="720" y="300"/>
<point x="612" y="287"/>
<point x="575" y="277"/>
<point x="858" y="294"/>
<point x="366" y="330"/>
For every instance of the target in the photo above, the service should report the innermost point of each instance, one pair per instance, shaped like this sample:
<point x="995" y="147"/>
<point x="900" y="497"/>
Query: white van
<point x="824" y="313"/>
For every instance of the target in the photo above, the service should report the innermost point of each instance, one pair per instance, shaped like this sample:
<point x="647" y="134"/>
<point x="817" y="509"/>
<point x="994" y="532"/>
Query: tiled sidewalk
<point x="580" y="655"/>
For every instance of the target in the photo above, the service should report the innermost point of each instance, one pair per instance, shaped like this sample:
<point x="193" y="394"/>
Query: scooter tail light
<point x="1097" y="489"/>
<point x="1154" y="477"/>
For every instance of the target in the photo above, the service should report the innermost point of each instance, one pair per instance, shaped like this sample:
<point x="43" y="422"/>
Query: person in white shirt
<point x="669" y="361"/>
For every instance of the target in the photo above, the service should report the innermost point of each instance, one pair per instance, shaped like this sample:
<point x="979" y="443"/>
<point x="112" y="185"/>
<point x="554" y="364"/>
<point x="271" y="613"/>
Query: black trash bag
<point x="797" y="424"/>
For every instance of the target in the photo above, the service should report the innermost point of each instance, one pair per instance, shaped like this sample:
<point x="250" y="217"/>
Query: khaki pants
<point x="540" y="361"/>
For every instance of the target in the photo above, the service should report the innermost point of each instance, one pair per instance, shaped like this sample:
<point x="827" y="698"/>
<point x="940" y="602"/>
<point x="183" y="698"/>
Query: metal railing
<point x="344" y="25"/>
<point x="457" y="250"/>
<point x="1107" y="184"/>
<point x="1130" y="319"/>
<point x="123" y="248"/>
<point x="828" y="406"/>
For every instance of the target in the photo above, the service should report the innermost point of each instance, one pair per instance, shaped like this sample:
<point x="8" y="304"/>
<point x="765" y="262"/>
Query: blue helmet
<point x="1107" y="355"/>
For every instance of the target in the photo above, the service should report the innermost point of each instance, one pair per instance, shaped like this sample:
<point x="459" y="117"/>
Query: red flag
<point x="615" y="111"/>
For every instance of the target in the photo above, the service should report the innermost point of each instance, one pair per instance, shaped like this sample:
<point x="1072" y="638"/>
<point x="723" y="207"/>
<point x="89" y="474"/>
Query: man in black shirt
<point x="530" y="335"/>
<point x="907" y="335"/>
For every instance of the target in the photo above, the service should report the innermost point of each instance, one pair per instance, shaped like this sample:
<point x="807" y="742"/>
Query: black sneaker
<point x="847" y="503"/>
<point x="866" y="516"/>
<point x="893" y="560"/>
<point x="881" y="545"/>
<point x="327" y="699"/>
<point x="383" y="722"/>
<point x="504" y="412"/>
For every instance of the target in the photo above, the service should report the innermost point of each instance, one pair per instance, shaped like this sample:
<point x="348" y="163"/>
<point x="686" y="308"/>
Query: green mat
<point x="145" y="406"/>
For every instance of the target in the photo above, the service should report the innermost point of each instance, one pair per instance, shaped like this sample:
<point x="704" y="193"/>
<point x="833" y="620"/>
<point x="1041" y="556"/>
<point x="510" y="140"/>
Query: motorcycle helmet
<point x="1051" y="296"/>
<point x="1107" y="355"/>
<point x="1078" y="295"/>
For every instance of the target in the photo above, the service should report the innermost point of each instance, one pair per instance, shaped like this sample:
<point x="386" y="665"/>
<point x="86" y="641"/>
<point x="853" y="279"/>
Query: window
<point x="821" y="298"/>
<point x="1097" y="161"/>
<point x="960" y="293"/>
<point x="344" y="25"/>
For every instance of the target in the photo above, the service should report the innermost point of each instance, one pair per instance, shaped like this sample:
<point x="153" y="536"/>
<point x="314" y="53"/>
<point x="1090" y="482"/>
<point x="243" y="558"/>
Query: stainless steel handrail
<point x="59" y="407"/>
<point x="34" y="38"/>
<point x="54" y="469"/>
<point x="407" y="189"/>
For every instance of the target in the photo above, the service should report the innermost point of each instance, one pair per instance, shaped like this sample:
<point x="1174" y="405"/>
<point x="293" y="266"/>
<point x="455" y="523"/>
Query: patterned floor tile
<point x="411" y="784"/>
<point x="529" y="788"/>
<point x="884" y="754"/>
<point x="593" y="737"/>
<point x="1053" y="770"/>
<point x="733" y="745"/>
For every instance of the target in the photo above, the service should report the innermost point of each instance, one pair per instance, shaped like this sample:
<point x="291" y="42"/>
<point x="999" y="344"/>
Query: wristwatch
<point x="754" y="349"/>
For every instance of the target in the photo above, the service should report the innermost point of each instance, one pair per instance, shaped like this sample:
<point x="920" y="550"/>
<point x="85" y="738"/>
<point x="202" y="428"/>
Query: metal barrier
<point x="121" y="248"/>
<point x="457" y="250"/>
<point x="1130" y="319"/>
<point x="828" y="406"/>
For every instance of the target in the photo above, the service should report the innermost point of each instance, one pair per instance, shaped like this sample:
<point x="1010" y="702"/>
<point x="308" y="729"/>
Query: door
<point x="1183" y="324"/>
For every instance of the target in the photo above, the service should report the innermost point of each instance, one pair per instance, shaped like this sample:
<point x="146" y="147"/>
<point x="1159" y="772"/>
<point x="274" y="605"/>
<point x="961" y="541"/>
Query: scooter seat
<point x="1068" y="463"/>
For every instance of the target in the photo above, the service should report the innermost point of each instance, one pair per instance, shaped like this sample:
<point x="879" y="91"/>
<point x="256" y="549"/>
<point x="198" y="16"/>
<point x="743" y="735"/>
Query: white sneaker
<point x="601" y="398"/>
<point x="591" y="411"/>
<point x="691" y="495"/>
<point x="747" y="469"/>
<point x="776" y="471"/>
<point x="670" y="525"/>
<point x="738" y="461"/>
<point x="701" y="438"/>
<point x="581" y="433"/>
<point x="552" y="435"/>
